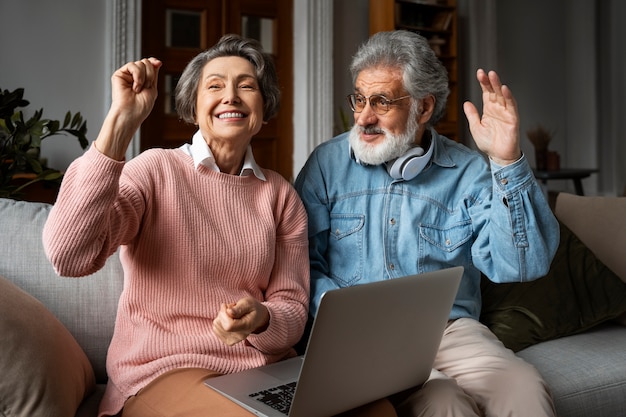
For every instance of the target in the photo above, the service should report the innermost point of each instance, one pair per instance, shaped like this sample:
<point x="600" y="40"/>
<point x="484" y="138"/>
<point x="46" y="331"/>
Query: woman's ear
<point x="427" y="108"/>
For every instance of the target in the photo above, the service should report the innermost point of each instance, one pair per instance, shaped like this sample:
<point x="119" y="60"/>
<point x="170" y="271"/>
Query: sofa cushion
<point x="86" y="306"/>
<point x="578" y="293"/>
<point x="585" y="372"/>
<point x="44" y="370"/>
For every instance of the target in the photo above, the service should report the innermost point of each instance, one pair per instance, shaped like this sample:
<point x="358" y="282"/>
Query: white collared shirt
<point x="201" y="154"/>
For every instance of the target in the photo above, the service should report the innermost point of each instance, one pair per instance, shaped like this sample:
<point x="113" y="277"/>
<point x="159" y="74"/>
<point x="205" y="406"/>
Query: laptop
<point x="367" y="342"/>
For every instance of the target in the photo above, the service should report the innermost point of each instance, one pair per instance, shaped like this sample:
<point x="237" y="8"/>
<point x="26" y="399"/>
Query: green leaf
<point x="7" y="125"/>
<point x="35" y="141"/>
<point x="17" y="117"/>
<point x="53" y="126"/>
<point x="9" y="101"/>
<point x="38" y="128"/>
<point x="37" y="115"/>
<point x="35" y="165"/>
<point x="68" y="117"/>
<point x="22" y="139"/>
<point x="50" y="175"/>
<point x="76" y="120"/>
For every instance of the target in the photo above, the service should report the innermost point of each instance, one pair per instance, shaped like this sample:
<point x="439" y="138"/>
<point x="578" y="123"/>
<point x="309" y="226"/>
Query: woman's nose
<point x="231" y="94"/>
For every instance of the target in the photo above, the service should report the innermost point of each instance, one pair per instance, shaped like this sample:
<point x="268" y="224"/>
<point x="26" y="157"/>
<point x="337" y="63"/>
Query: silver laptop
<point x="367" y="342"/>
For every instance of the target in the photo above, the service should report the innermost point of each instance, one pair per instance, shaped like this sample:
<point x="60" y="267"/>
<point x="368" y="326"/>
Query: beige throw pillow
<point x="44" y="371"/>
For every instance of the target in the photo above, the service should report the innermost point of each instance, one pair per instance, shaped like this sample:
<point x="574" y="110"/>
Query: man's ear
<point x="427" y="107"/>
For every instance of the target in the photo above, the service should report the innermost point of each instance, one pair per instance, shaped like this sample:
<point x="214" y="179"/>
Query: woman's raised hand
<point x="134" y="91"/>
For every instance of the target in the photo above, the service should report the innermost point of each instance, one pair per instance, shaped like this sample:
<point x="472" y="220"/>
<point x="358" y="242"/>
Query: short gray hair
<point x="423" y="72"/>
<point x="186" y="93"/>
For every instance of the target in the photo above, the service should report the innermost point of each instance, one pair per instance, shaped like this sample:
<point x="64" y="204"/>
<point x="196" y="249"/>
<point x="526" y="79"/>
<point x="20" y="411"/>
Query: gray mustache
<point x="371" y="130"/>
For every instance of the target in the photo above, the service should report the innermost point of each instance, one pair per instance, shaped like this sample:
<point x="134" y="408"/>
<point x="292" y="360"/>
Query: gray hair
<point x="186" y="93"/>
<point x="423" y="72"/>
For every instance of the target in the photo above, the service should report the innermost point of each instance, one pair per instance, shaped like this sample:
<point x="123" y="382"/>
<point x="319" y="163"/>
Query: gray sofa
<point x="587" y="371"/>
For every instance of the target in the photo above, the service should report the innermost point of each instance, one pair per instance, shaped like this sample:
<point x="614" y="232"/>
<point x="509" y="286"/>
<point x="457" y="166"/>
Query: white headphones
<point x="410" y="164"/>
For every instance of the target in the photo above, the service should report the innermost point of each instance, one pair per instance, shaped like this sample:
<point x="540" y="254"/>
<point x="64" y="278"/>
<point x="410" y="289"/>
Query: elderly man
<point x="392" y="197"/>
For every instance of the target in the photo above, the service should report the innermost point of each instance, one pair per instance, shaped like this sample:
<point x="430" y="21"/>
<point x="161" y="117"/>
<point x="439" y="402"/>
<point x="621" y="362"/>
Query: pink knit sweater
<point x="190" y="240"/>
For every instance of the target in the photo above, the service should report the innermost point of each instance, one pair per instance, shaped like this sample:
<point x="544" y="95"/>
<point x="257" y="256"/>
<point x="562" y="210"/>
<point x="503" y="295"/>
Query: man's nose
<point x="366" y="117"/>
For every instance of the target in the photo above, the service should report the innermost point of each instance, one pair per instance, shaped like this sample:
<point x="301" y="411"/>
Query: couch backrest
<point x="86" y="306"/>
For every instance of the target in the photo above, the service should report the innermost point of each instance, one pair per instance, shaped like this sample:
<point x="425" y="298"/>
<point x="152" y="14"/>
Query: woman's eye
<point x="214" y="86"/>
<point x="246" y="87"/>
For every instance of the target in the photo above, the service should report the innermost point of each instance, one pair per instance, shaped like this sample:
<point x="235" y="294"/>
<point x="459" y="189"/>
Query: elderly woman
<point x="214" y="248"/>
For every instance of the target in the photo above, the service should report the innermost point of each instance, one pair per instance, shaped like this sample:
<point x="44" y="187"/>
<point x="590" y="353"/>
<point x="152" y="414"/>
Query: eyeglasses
<point x="379" y="103"/>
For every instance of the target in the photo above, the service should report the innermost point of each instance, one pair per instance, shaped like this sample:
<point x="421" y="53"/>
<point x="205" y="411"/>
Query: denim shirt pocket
<point x="345" y="252"/>
<point x="447" y="244"/>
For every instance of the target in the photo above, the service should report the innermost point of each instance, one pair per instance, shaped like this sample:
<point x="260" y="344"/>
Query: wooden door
<point x="177" y="30"/>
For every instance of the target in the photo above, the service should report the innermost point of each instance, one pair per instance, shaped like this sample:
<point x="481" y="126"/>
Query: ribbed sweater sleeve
<point x="190" y="240"/>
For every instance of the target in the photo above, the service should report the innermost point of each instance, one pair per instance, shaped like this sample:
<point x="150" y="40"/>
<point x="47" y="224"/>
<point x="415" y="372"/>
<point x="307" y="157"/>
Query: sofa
<point x="55" y="331"/>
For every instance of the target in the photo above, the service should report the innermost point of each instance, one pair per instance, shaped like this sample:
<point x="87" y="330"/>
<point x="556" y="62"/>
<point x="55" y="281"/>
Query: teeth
<point x="230" y="115"/>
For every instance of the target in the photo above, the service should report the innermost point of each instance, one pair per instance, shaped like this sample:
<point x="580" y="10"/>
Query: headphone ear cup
<point x="408" y="165"/>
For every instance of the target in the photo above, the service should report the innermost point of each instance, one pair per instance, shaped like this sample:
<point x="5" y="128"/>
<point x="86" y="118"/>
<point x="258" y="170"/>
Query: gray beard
<point x="394" y="146"/>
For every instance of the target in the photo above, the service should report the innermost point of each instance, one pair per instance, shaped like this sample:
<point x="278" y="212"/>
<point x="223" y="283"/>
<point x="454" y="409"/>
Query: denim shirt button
<point x="392" y="266"/>
<point x="448" y="242"/>
<point x="504" y="181"/>
<point x="392" y="222"/>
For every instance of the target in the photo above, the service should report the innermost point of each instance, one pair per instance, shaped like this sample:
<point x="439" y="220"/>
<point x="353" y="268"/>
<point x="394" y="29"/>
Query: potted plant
<point x="20" y="142"/>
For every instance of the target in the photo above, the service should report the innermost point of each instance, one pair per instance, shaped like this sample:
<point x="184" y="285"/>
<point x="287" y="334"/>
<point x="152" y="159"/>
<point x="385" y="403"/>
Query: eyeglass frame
<point x="374" y="108"/>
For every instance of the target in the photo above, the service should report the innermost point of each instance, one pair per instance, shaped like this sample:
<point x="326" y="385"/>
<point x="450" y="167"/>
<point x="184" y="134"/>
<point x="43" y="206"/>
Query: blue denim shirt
<point x="365" y="226"/>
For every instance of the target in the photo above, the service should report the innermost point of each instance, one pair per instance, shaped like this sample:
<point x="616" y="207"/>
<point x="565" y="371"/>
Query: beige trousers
<point x="182" y="393"/>
<point x="475" y="375"/>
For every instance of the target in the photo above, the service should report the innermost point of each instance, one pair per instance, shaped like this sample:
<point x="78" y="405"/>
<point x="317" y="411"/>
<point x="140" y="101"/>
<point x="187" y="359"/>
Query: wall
<point x="55" y="50"/>
<point x="535" y="75"/>
<point x="552" y="72"/>
<point x="612" y="97"/>
<point x="567" y="70"/>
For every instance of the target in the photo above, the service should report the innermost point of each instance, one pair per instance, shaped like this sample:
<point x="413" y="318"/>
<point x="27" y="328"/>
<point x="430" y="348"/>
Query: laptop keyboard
<point x="279" y="398"/>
